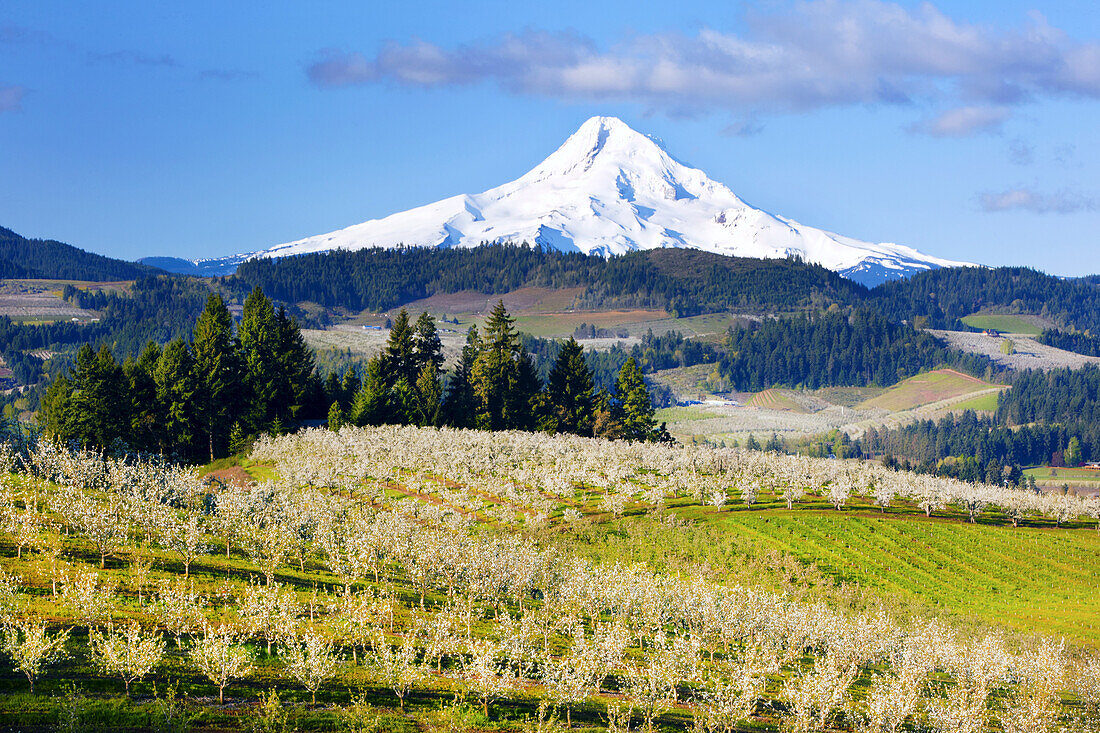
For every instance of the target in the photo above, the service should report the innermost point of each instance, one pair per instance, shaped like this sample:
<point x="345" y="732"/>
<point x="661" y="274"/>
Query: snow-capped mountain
<point x="610" y="190"/>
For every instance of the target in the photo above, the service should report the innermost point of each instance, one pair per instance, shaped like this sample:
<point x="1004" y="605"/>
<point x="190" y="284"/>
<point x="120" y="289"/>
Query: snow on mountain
<point x="610" y="190"/>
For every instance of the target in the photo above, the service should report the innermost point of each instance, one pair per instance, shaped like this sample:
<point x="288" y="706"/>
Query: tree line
<point x="193" y="398"/>
<point x="494" y="386"/>
<point x="833" y="349"/>
<point x="681" y="281"/>
<point x="1075" y="341"/>
<point x="206" y="396"/>
<point x="45" y="258"/>
<point x="939" y="298"/>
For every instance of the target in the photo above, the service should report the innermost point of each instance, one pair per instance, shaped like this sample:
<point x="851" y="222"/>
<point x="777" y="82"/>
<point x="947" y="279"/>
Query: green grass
<point x="1003" y="323"/>
<point x="1031" y="579"/>
<point x="986" y="402"/>
<point x="1055" y="473"/>
<point x="926" y="388"/>
<point x="773" y="399"/>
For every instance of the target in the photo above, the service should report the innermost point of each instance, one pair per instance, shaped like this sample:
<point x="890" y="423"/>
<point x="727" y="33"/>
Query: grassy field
<point x="982" y="403"/>
<point x="774" y="399"/>
<point x="681" y="414"/>
<point x="926" y="388"/>
<point x="1030" y="578"/>
<point x="1052" y="472"/>
<point x="1004" y="323"/>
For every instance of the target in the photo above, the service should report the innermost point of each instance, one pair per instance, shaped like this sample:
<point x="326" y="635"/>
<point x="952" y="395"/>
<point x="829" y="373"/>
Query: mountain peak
<point x="609" y="190"/>
<point x="600" y="139"/>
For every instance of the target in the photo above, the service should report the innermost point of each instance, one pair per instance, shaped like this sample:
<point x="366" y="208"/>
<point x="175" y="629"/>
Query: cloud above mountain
<point x="1026" y="199"/>
<point x="819" y="53"/>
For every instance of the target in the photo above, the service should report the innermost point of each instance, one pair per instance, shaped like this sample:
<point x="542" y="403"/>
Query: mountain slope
<point x="610" y="190"/>
<point x="44" y="258"/>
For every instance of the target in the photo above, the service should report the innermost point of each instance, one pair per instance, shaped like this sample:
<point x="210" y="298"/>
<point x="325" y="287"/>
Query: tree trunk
<point x="221" y="695"/>
<point x="102" y="560"/>
<point x="568" y="717"/>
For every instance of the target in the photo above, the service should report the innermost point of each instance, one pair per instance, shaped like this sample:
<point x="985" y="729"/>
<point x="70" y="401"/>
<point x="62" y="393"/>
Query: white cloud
<point x="1025" y="199"/>
<point x="818" y="53"/>
<point x="963" y="121"/>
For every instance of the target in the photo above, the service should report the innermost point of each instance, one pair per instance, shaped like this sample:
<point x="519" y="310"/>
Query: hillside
<point x="416" y="579"/>
<point x="48" y="259"/>
<point x="681" y="281"/>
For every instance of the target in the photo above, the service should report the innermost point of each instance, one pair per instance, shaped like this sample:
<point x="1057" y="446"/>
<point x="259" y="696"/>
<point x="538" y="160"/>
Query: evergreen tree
<point x="496" y="372"/>
<point x="372" y="404"/>
<point x="635" y="405"/>
<point x="569" y="392"/>
<point x="145" y="412"/>
<point x="399" y="357"/>
<point x="217" y="374"/>
<point x="427" y="348"/>
<point x="524" y="395"/>
<point x="429" y="397"/>
<point x="52" y="412"/>
<point x="92" y="408"/>
<point x="296" y="381"/>
<point x="176" y="391"/>
<point x="335" y="417"/>
<point x="461" y="403"/>
<point x="259" y="338"/>
<point x="349" y="387"/>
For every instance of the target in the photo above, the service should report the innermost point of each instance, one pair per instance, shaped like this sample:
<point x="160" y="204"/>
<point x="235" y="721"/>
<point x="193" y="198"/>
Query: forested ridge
<point x="682" y="281"/>
<point x="47" y="259"/>
<point x="941" y="297"/>
<point x="835" y="350"/>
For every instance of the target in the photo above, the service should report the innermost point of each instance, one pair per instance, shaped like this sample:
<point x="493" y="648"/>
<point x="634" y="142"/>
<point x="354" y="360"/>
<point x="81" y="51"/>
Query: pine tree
<point x="296" y="362"/>
<point x="636" y="407"/>
<point x="373" y="403"/>
<point x="349" y="387"/>
<point x="569" y="392"/>
<point x="427" y="348"/>
<point x="523" y="393"/>
<point x="176" y="390"/>
<point x="399" y="358"/>
<point x="259" y="337"/>
<point x="495" y="372"/>
<point x="145" y="410"/>
<point x="429" y="397"/>
<point x="335" y="416"/>
<point x="217" y="374"/>
<point x="460" y="404"/>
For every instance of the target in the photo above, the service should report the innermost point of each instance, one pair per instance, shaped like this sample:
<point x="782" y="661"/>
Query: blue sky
<point x="965" y="129"/>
